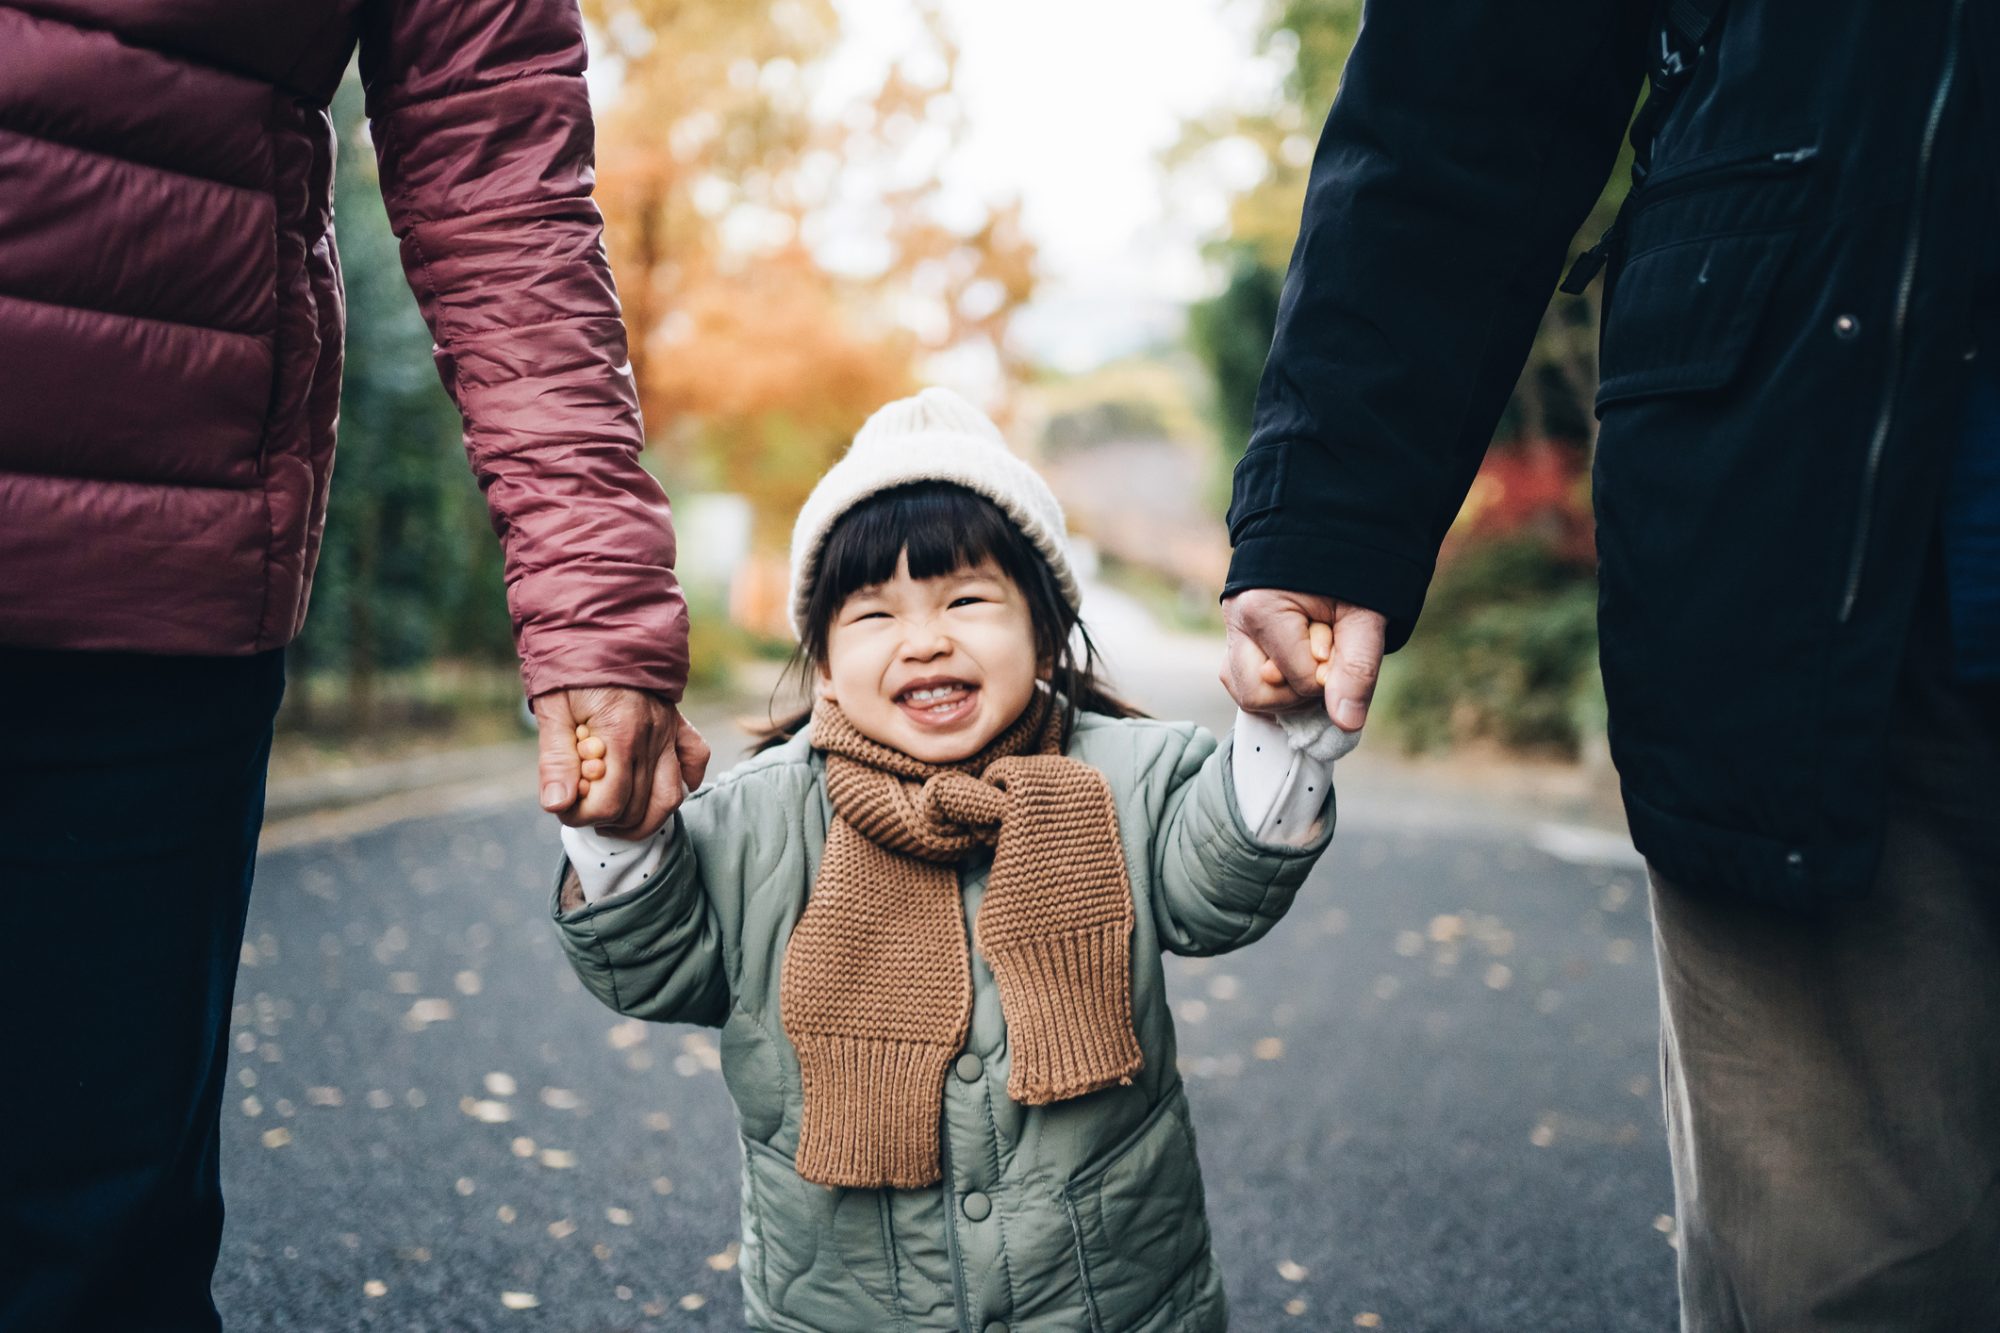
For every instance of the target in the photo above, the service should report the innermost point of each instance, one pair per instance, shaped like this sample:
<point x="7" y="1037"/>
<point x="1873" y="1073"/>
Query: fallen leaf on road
<point x="1368" y="1319"/>
<point x="1295" y="1306"/>
<point x="523" y="1146"/>
<point x="465" y="1185"/>
<point x="486" y="1112"/>
<point x="381" y="1099"/>
<point x="659" y="1121"/>
<point x="562" y="1228"/>
<point x="618" y="1217"/>
<point x="252" y="1107"/>
<point x="1499" y="976"/>
<point x="560" y="1099"/>
<point x="1290" y="1271"/>
<point x="1269" y="1048"/>
<point x="519" y="1300"/>
<point x="374" y="1287"/>
<point x="324" y="1097"/>
<point x="725" y="1261"/>
<point x="694" y="1300"/>
<point x="505" y="1212"/>
<point x="558" y="1159"/>
<point x="468" y="982"/>
<point x="627" y="1034"/>
<point x="277" y="1138"/>
<point x="501" y="1085"/>
<point x="426" y="1012"/>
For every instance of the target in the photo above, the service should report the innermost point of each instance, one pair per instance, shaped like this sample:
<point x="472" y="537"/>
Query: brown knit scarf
<point x="877" y="987"/>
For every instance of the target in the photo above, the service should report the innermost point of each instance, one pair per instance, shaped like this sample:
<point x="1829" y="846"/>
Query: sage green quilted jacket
<point x="1083" y="1215"/>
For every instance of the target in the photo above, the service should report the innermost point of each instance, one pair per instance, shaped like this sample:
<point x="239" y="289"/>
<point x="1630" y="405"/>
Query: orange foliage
<point x="785" y="270"/>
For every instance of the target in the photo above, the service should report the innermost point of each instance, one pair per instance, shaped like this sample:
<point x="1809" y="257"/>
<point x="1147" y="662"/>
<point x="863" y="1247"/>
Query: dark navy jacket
<point x="1784" y="357"/>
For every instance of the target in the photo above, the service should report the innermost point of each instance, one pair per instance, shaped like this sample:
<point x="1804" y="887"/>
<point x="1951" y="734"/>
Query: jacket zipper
<point x="1899" y="324"/>
<point x="1760" y="164"/>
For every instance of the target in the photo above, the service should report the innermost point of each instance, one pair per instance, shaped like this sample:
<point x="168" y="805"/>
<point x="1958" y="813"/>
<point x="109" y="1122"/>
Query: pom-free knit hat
<point x="935" y="436"/>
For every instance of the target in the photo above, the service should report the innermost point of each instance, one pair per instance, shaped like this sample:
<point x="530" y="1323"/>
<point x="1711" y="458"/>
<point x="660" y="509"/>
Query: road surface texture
<point x="1428" y="1101"/>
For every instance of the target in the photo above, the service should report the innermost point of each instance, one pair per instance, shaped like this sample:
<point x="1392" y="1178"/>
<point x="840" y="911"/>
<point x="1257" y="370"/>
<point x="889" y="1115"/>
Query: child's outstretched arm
<point x="1242" y="825"/>
<point x="640" y="927"/>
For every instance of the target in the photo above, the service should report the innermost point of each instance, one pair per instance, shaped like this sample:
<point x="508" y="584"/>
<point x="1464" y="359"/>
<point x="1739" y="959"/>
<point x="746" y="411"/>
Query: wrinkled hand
<point x="651" y="757"/>
<point x="1270" y="665"/>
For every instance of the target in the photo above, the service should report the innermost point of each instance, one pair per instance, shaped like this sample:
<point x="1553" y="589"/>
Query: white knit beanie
<point x="935" y="436"/>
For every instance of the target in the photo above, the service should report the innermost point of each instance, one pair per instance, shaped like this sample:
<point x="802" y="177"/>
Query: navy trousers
<point x="131" y="792"/>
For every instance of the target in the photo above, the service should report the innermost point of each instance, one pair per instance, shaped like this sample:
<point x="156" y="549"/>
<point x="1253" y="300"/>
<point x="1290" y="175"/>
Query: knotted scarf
<point x="877" y="989"/>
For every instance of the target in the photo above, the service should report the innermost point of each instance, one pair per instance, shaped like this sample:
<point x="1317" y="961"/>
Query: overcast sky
<point x="1070" y="104"/>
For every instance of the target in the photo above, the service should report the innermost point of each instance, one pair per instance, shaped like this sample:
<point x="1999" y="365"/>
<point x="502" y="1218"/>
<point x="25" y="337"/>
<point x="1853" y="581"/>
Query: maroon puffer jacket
<point x="171" y="320"/>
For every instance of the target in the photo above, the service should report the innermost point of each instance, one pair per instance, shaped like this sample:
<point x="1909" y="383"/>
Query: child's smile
<point x="933" y="667"/>
<point x="939" y="702"/>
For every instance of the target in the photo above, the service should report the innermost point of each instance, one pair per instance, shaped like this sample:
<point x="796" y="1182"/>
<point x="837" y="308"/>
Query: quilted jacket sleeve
<point x="658" y="951"/>
<point x="672" y="950"/>
<point x="483" y="130"/>
<point x="1215" y="886"/>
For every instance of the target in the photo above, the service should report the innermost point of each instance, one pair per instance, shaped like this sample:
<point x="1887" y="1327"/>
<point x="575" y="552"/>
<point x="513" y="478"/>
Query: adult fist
<point x="1270" y="665"/>
<point x="652" y="758"/>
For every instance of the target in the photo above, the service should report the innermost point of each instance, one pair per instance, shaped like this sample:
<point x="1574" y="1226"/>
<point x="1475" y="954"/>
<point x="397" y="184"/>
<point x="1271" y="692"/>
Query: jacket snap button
<point x="970" y="1067"/>
<point x="1846" y="328"/>
<point x="997" y="1326"/>
<point x="977" y="1207"/>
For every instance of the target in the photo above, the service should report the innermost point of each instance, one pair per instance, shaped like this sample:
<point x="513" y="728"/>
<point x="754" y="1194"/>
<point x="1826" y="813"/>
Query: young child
<point x="929" y="923"/>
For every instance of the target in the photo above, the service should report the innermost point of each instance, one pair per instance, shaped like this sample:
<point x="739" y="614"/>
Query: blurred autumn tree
<point x="787" y="259"/>
<point x="787" y="266"/>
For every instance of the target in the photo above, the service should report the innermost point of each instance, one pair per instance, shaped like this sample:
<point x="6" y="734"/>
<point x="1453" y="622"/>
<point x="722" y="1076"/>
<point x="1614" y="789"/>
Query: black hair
<point x="945" y="528"/>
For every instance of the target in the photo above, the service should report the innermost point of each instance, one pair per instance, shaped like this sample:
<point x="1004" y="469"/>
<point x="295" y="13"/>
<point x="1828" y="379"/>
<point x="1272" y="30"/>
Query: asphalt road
<point x="1429" y="1101"/>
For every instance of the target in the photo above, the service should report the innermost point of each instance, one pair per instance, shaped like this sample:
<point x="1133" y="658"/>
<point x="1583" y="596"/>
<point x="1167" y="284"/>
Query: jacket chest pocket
<point x="1707" y="242"/>
<point x="1142" y="1229"/>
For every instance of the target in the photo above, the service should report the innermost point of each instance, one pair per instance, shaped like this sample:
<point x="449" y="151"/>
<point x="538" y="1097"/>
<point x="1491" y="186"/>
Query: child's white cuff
<point x="1282" y="768"/>
<point x="607" y="866"/>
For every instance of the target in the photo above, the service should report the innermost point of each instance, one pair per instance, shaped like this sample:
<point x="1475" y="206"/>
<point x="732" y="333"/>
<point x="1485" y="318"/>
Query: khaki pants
<point x="1833" y="1086"/>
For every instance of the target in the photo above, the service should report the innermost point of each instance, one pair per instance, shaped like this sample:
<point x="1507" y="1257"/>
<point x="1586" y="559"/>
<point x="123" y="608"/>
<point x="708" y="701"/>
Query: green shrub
<point x="1506" y="652"/>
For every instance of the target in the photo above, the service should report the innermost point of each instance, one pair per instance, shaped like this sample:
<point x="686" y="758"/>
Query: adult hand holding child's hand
<point x="1286" y="648"/>
<point x="646" y="758"/>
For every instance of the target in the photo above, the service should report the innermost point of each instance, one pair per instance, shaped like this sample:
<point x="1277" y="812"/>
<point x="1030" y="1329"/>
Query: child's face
<point x="933" y="667"/>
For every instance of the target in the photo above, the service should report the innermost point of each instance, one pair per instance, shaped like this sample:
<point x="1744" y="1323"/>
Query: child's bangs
<point x="945" y="528"/>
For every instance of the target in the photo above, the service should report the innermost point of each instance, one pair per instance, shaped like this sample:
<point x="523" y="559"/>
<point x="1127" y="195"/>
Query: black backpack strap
<point x="1684" y="27"/>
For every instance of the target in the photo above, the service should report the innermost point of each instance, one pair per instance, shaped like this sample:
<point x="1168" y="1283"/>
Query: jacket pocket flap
<point x="1708" y="240"/>
<point x="1682" y="314"/>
